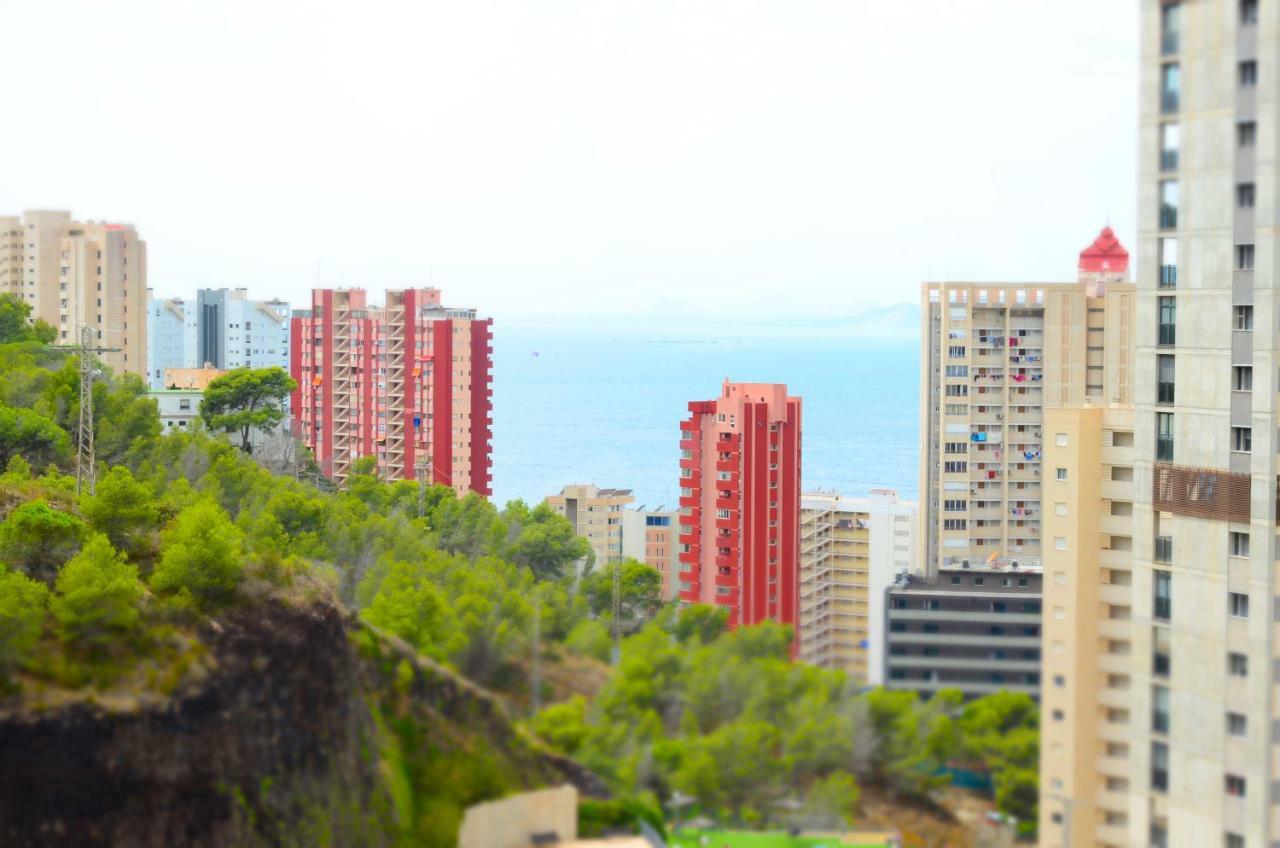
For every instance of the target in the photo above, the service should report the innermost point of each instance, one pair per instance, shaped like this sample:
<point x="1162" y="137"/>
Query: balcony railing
<point x="1168" y="160"/>
<point x="1168" y="276"/>
<point x="1164" y="392"/>
<point x="1164" y="549"/>
<point x="1169" y="102"/>
<point x="1168" y="334"/>
<point x="1170" y="43"/>
<point x="1168" y="216"/>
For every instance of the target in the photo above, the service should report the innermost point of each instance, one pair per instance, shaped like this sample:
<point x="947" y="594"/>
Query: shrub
<point x="203" y="554"/>
<point x="97" y="599"/>
<point x="22" y="611"/>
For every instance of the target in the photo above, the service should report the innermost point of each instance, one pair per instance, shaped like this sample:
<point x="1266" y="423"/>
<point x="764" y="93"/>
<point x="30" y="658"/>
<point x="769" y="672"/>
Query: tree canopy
<point x="245" y="400"/>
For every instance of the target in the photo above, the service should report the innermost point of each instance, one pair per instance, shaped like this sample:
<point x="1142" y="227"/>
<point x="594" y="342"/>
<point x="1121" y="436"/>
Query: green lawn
<point x="750" y="839"/>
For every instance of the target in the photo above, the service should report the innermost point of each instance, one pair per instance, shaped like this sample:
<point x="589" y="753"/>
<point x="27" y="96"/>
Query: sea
<point x="586" y="403"/>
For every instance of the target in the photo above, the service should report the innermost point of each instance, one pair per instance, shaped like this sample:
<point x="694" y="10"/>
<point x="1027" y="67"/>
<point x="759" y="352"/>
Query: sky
<point x="650" y="161"/>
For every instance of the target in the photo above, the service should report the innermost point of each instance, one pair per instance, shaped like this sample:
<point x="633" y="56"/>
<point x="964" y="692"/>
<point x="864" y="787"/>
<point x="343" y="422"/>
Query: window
<point x="1160" y="709"/>
<point x="1170" y="87"/>
<point x="1235" y="785"/>
<point x="1237" y="604"/>
<point x="1237" y="724"/>
<point x="1159" y="836"/>
<point x="1160" y="658"/>
<point x="1244" y="317"/>
<point x="1169" y="146"/>
<point x="1232" y="840"/>
<point x="1170" y="28"/>
<point x="1162" y="595"/>
<point x="1159" y="766"/>
<point x="1060" y="473"/>
<point x="1244" y="257"/>
<point x="1246" y="133"/>
<point x="1244" y="195"/>
<point x="1168" y="263"/>
<point x="1248" y="74"/>
<point x="1248" y="12"/>
<point x="1168" y="204"/>
<point x="1164" y="378"/>
<point x="1167" y="311"/>
<point x="1242" y="439"/>
<point x="1237" y="664"/>
<point x="1164" y="549"/>
<point x="1164" y="436"/>
<point x="1242" y="378"/>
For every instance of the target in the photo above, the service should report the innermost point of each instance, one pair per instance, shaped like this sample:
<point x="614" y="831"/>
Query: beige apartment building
<point x="78" y="274"/>
<point x="1168" y="735"/>
<point x="1019" y="381"/>
<point x="596" y="515"/>
<point x="850" y="550"/>
<point x="649" y="535"/>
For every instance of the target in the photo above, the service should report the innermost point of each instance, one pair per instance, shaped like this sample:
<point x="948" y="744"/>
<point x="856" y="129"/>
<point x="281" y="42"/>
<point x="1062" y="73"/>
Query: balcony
<point x="691" y="463"/>
<point x="689" y="500"/>
<point x="1168" y="217"/>
<point x="729" y="581"/>
<point x="1170" y="101"/>
<point x="689" y="444"/>
<point x="726" y="503"/>
<point x="726" y="465"/>
<point x="730" y="523"/>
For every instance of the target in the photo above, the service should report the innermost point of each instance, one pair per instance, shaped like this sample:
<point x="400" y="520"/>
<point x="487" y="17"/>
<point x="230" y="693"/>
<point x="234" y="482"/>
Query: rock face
<point x="307" y="728"/>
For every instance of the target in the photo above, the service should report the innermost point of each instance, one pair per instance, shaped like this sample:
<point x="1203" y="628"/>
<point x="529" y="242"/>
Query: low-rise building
<point x="190" y="378"/>
<point x="973" y="626"/>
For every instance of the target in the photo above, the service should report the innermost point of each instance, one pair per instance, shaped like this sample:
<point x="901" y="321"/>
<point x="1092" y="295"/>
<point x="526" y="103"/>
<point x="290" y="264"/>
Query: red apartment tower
<point x="740" y="503"/>
<point x="406" y="383"/>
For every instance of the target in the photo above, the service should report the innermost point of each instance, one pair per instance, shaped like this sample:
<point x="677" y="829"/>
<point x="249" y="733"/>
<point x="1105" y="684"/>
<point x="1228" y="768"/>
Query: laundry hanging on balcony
<point x="1031" y="454"/>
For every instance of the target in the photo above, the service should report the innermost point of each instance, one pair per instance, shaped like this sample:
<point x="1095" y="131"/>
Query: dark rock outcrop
<point x="305" y="728"/>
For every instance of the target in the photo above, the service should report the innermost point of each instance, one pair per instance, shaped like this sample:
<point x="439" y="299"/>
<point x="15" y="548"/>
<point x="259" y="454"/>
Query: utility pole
<point x="617" y="612"/>
<point x="536" y="674"/>
<point x="90" y="346"/>
<point x="424" y="474"/>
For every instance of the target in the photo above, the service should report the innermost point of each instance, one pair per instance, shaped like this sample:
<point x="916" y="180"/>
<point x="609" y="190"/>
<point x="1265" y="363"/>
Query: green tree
<point x="245" y="400"/>
<point x="831" y="801"/>
<point x="202" y="555"/>
<point x="701" y="622"/>
<point x="409" y="605"/>
<point x="122" y="508"/>
<point x="590" y="639"/>
<point x="14" y="327"/>
<point x="97" y="599"/>
<point x="22" y="610"/>
<point x="547" y="545"/>
<point x="640" y="590"/>
<point x="36" y="539"/>
<point x="31" y="435"/>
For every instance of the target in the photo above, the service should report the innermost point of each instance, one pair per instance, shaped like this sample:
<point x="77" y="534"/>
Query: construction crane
<point x="90" y="346"/>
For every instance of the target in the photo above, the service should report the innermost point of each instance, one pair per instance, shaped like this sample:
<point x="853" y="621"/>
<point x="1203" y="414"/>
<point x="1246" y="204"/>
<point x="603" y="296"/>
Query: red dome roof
<point x="1105" y="254"/>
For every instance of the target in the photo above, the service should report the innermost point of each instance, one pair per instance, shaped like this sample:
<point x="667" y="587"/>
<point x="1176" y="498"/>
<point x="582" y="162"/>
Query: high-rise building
<point x="649" y="535"/>
<point x="740" y="503"/>
<point x="596" y="515"/>
<point x="1001" y="363"/>
<point x="1166" y="728"/>
<point x="78" y="274"/>
<point x="233" y="331"/>
<point x="850" y="551"/>
<point x="406" y="383"/>
<point x="171" y="338"/>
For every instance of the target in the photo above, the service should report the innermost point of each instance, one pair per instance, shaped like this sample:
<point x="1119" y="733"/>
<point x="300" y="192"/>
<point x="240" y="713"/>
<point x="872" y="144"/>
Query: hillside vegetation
<point x="182" y="638"/>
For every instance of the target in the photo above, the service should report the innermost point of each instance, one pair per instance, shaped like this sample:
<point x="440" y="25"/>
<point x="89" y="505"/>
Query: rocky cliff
<point x="298" y="725"/>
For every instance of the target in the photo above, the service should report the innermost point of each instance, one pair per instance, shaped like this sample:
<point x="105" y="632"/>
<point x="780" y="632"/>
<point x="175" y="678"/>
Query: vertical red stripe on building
<point x="442" y="402"/>
<point x="413" y="359"/>
<point x="481" y="406"/>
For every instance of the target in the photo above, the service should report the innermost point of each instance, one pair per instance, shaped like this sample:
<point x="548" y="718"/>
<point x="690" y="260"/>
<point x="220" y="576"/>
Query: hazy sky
<point x="659" y="158"/>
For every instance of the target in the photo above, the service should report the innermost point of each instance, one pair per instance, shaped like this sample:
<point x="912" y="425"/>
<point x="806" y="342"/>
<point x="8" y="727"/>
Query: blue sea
<point x="581" y="404"/>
